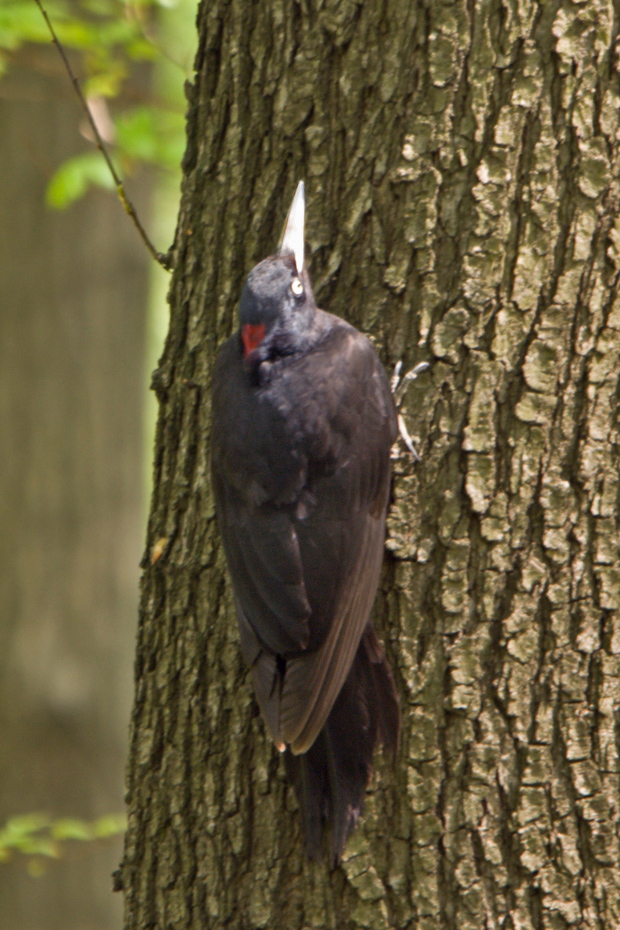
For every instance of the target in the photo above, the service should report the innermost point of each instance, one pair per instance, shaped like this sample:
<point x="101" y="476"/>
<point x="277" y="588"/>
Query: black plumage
<point x="303" y="423"/>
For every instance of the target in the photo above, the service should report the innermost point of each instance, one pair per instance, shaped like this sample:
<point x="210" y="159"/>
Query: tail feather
<point x="331" y="777"/>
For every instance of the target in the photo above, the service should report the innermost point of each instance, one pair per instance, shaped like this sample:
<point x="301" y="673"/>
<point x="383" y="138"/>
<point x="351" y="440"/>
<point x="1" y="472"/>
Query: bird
<point x="303" y="421"/>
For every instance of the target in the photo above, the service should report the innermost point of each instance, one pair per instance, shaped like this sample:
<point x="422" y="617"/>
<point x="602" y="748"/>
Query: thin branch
<point x="160" y="257"/>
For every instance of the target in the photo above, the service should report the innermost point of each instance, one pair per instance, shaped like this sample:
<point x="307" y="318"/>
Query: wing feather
<point x="265" y="563"/>
<point x="314" y="680"/>
<point x="305" y="563"/>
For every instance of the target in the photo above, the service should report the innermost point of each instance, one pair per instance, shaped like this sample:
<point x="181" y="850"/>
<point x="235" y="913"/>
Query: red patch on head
<point x="252" y="335"/>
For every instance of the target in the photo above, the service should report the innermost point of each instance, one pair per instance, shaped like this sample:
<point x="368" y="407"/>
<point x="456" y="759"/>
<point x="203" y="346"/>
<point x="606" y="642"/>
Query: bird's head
<point x="277" y="305"/>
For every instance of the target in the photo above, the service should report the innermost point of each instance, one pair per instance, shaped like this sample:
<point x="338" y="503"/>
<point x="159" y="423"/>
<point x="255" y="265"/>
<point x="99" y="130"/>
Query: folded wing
<point x="305" y="572"/>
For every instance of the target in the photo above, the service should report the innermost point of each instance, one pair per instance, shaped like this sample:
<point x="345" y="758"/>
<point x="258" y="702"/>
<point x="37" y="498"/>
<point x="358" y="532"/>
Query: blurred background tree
<point x="82" y="312"/>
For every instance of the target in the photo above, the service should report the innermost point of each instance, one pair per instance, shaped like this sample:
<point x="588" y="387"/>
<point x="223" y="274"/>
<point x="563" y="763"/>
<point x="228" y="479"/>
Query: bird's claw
<point x="406" y="438"/>
<point x="399" y="386"/>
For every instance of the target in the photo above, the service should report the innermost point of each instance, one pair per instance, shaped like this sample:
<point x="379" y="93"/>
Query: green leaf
<point x="25" y="835"/>
<point x="70" y="829"/>
<point x="74" y="177"/>
<point x="76" y="34"/>
<point x="151" y="135"/>
<point x="38" y="845"/>
<point x="107" y="83"/>
<point x="135" y="134"/>
<point x="21" y="22"/>
<point x="139" y="49"/>
<point x="38" y="838"/>
<point x="17" y="828"/>
<point x="110" y="825"/>
<point x="116" y="32"/>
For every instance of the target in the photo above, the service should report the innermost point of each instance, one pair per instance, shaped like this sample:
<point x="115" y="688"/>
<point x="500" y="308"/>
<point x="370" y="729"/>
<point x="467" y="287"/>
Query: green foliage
<point x="73" y="178"/>
<point x="37" y="837"/>
<point x="109" y="33"/>
<point x="107" y="40"/>
<point x="108" y="25"/>
<point x="150" y="135"/>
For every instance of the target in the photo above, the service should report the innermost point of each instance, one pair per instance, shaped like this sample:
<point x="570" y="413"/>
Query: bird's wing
<point x="305" y="574"/>
<point x="327" y="613"/>
<point x="263" y="556"/>
<point x="313" y="680"/>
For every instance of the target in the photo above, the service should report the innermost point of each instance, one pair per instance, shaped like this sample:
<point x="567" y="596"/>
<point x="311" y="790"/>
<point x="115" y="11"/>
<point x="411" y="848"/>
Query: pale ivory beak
<point x="293" y="236"/>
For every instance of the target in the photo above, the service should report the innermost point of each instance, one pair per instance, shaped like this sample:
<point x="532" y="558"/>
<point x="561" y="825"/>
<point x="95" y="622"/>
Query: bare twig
<point x="160" y="257"/>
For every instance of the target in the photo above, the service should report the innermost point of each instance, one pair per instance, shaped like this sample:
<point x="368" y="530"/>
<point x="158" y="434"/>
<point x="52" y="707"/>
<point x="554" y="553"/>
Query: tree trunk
<point x="72" y="338"/>
<point x="462" y="188"/>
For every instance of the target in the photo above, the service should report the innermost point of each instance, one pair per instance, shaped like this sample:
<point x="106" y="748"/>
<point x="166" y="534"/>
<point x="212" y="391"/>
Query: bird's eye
<point x="297" y="287"/>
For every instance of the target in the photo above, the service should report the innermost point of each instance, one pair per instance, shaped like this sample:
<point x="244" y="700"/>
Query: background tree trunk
<point x="462" y="179"/>
<point x="72" y="340"/>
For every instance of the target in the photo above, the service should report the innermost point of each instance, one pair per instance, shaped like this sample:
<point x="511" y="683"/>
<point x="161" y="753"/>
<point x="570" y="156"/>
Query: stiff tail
<point x="331" y="777"/>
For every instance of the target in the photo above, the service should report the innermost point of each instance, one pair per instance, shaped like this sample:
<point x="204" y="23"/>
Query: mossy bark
<point x="462" y="179"/>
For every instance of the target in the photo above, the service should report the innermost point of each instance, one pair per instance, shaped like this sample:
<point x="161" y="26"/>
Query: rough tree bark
<point x="462" y="178"/>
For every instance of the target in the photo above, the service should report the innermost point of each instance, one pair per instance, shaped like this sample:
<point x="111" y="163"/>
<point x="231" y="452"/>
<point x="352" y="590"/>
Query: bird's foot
<point x="399" y="385"/>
